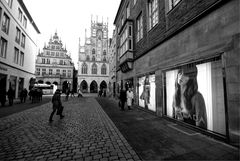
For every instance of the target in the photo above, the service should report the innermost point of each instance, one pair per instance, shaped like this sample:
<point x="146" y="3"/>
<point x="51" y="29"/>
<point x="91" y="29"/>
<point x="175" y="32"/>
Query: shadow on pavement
<point x="155" y="138"/>
<point x="18" y="106"/>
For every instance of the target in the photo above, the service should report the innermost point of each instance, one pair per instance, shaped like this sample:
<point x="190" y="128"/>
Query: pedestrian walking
<point x="10" y="94"/>
<point x="57" y="105"/>
<point x="122" y="98"/>
<point x="25" y="93"/>
<point x="129" y="98"/>
<point x="3" y="94"/>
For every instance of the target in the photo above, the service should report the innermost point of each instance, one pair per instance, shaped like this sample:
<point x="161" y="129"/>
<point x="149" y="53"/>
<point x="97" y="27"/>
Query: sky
<point x="70" y="18"/>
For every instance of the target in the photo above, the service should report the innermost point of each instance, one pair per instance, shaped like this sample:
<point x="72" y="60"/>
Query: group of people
<point x="126" y="96"/>
<point x="11" y="95"/>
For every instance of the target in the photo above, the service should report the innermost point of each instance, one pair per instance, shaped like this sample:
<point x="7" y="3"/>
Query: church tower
<point x="93" y="65"/>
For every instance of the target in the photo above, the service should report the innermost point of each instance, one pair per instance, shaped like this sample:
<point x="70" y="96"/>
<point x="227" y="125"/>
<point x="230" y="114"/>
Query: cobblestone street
<point x="85" y="133"/>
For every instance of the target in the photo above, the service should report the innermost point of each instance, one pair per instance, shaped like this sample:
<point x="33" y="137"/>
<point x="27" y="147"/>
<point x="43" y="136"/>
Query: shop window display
<point x="195" y="95"/>
<point x="146" y="89"/>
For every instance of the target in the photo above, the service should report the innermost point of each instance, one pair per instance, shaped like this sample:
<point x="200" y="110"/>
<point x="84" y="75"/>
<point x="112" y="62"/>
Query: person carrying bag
<point x="57" y="105"/>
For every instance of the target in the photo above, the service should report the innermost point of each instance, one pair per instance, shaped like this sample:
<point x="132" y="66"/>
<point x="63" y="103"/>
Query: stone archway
<point x="40" y="81"/>
<point x="84" y="86"/>
<point x="103" y="85"/>
<point x="56" y="83"/>
<point x="48" y="82"/>
<point x="93" y="87"/>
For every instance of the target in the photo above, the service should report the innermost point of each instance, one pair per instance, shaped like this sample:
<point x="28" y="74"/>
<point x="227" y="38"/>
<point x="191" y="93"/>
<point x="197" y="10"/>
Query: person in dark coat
<point x="3" y="94"/>
<point x="25" y="93"/>
<point x="123" y="98"/>
<point x="57" y="105"/>
<point x="10" y="94"/>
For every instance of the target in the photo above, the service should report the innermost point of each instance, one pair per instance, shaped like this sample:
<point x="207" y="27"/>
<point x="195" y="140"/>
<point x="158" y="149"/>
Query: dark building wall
<point x="216" y="33"/>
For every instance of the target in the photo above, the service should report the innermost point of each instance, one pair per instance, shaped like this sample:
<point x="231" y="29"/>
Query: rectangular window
<point x="37" y="71"/>
<point x="43" y="71"/>
<point x="48" y="52"/>
<point x="57" y="54"/>
<point x="152" y="13"/>
<point x="20" y="15"/>
<point x="139" y="27"/>
<point x="50" y="71"/>
<point x="48" y="61"/>
<point x="69" y="73"/>
<point x="3" y="47"/>
<point x="61" y="62"/>
<point x="64" y="73"/>
<point x="18" y="35"/>
<point x="16" y="55"/>
<point x="43" y="61"/>
<point x="52" y="53"/>
<point x="5" y="23"/>
<point x="24" y="21"/>
<point x="146" y="92"/>
<point x="128" y="10"/>
<point x="58" y="72"/>
<point x="21" y="58"/>
<point x="23" y="40"/>
<point x="201" y="103"/>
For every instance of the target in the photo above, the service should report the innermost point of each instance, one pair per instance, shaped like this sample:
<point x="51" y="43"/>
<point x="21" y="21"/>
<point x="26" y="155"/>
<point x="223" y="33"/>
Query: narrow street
<point x="85" y="133"/>
<point x="95" y="129"/>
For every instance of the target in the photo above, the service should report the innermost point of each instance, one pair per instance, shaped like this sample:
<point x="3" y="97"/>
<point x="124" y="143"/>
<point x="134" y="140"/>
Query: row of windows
<point x="52" y="53"/>
<point x="22" y="18"/>
<point x="65" y="73"/>
<point x="94" y="59"/>
<point x="18" y="55"/>
<point x="61" y="62"/>
<point x="94" y="69"/>
<point x="19" y="38"/>
<point x="94" y="51"/>
<point x="153" y="16"/>
<point x="126" y="39"/>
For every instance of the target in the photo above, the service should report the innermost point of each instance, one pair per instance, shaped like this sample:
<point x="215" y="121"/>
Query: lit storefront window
<point x="146" y="92"/>
<point x="195" y="95"/>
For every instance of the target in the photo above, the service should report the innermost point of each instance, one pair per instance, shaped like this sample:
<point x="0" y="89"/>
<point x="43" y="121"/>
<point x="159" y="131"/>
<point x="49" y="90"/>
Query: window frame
<point x="139" y="27"/>
<point x="5" y="23"/>
<point x="16" y="55"/>
<point x="3" y="47"/>
<point x="153" y="13"/>
<point x="21" y="61"/>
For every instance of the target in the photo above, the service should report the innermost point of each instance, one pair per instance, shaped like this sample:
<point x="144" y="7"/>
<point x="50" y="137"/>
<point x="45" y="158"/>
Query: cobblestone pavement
<point x="85" y="133"/>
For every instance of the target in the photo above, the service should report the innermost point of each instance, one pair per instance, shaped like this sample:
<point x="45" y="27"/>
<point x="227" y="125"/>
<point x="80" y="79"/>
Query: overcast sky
<point x="70" y="18"/>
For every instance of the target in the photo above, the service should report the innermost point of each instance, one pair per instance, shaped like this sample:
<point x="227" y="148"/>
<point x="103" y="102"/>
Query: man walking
<point x="122" y="98"/>
<point x="57" y="105"/>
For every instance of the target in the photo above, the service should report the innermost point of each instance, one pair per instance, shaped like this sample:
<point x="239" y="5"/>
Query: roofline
<point x="121" y="3"/>
<point x="28" y="15"/>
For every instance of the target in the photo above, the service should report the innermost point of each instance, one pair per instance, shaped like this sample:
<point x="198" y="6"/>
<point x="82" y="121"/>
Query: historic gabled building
<point x="93" y="66"/>
<point x="182" y="58"/>
<point x="54" y="65"/>
<point x="18" y="46"/>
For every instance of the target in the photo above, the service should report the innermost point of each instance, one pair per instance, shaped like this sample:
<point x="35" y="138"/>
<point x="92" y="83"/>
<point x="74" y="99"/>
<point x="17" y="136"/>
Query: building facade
<point x="182" y="59"/>
<point x="54" y="65"/>
<point x="18" y="37"/>
<point x="93" y="65"/>
<point x="112" y="65"/>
